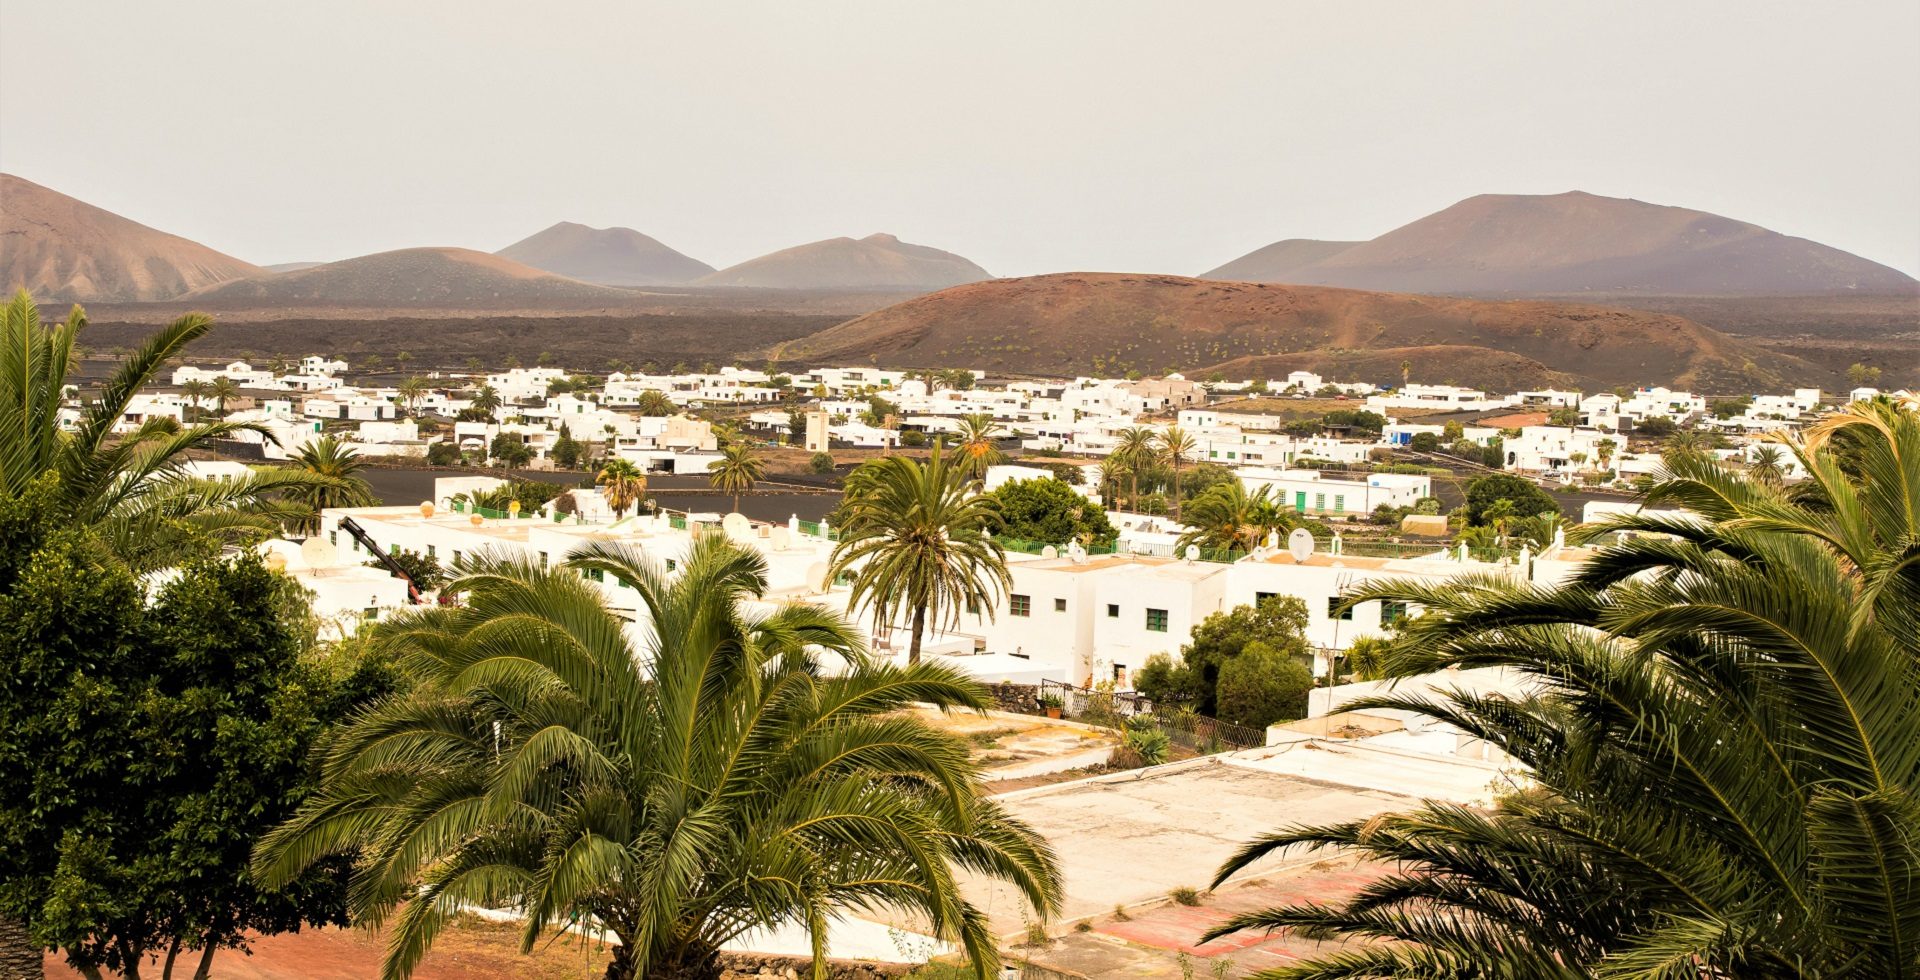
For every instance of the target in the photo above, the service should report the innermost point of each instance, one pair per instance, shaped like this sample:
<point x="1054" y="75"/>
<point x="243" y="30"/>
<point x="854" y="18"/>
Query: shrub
<point x="913" y="438"/>
<point x="1185" y="896"/>
<point x="1425" y="442"/>
<point x="1141" y="744"/>
<point x="821" y="463"/>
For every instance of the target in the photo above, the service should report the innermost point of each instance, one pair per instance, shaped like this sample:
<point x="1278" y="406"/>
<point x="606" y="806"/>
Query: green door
<point x="1300" y="501"/>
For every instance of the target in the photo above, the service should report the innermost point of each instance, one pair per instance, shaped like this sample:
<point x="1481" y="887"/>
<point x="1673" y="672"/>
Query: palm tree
<point x="1406" y="373"/>
<point x="655" y="403"/>
<point x="919" y="544"/>
<point x="329" y="457"/>
<point x="1768" y="465"/>
<point x="622" y="484"/>
<point x="131" y="486"/>
<point x="1605" y="449"/>
<point x="194" y="392"/>
<point x="713" y="781"/>
<point x="1227" y="517"/>
<point x="486" y="399"/>
<point x="1134" y="452"/>
<point x="736" y="471"/>
<point x="1175" y="444"/>
<point x="411" y="391"/>
<point x="976" y="445"/>
<point x="1721" y="729"/>
<point x="223" y="390"/>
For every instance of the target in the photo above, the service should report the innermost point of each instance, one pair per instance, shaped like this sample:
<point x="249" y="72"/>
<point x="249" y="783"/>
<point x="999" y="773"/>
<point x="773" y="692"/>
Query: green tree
<point x="820" y="463"/>
<point x="977" y="445"/>
<point x="1050" y="511"/>
<point x="1175" y="444"/>
<point x="1424" y="442"/>
<point x="1134" y="454"/>
<point x="425" y="573"/>
<point x="222" y="391"/>
<point x="1279" y="621"/>
<point x="919" y="545"/>
<point x="655" y="404"/>
<point x="796" y="427"/>
<point x="710" y="783"/>
<point x="1227" y="517"/>
<point x="1262" y="685"/>
<point x="195" y="392"/>
<point x="329" y="457"/>
<point x="622" y="484"/>
<point x="567" y="450"/>
<point x="736" y="471"/>
<point x="130" y="487"/>
<point x="411" y="391"/>
<point x="1861" y="376"/>
<point x="1524" y="498"/>
<point x="510" y="450"/>
<point x="147" y="743"/>
<point x="444" y="453"/>
<point x="487" y="400"/>
<point x="1721" y="732"/>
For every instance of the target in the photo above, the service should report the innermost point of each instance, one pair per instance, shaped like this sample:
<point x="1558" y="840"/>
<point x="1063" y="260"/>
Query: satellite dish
<point x="1049" y="552"/>
<point x="1193" y="552"/>
<point x="781" y="538"/>
<point x="319" y="553"/>
<point x="818" y="576"/>
<point x="1273" y="539"/>
<point x="737" y="526"/>
<point x="1300" y="544"/>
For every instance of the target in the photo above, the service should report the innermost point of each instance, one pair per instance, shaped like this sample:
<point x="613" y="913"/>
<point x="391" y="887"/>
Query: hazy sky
<point x="1030" y="136"/>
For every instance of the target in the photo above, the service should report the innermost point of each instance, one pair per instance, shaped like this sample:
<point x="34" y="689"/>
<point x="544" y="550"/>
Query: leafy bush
<point x="821" y="463"/>
<point x="913" y="438"/>
<point x="1527" y="499"/>
<point x="1142" y="744"/>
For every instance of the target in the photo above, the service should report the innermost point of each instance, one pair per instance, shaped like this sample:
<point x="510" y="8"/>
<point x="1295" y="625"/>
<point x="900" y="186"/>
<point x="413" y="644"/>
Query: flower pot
<point x="1053" y="711"/>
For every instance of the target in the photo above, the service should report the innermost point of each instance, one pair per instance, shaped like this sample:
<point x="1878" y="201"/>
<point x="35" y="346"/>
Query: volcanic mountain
<point x="1575" y="242"/>
<point x="1112" y="323"/>
<point x="65" y="250"/>
<point x="873" y="262"/>
<point x="610" y="256"/>
<point x="454" y="278"/>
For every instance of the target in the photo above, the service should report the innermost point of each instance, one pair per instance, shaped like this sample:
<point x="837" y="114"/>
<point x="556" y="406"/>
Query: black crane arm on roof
<point x="386" y="561"/>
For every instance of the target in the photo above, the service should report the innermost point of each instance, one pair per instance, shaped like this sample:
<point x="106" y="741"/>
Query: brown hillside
<point x="455" y="278"/>
<point x="1583" y="243"/>
<point x="874" y="262"/>
<point x="1278" y="262"/>
<point x="65" y="250"/>
<point x="1112" y="322"/>
<point x="609" y="256"/>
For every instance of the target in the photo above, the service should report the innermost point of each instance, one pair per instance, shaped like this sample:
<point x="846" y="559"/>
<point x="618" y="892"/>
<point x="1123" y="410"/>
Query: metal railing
<point x="1113" y="709"/>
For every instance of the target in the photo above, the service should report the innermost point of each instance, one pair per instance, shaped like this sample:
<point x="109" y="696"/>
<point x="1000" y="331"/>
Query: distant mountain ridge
<point x="1113" y="323"/>
<point x="1574" y="242"/>
<point x="875" y="262"/>
<point x="63" y="249"/>
<point x="609" y="256"/>
<point x="414" y="277"/>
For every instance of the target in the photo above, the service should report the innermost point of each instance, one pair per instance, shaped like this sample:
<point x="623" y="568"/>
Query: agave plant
<point x="1724" y="731"/>
<point x="130" y="486"/>
<point x="680" y="782"/>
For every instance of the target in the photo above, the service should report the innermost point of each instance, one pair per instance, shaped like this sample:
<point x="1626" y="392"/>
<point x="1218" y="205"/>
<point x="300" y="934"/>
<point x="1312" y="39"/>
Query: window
<point x="543" y="557"/>
<point x="1020" y="605"/>
<point x="456" y="558"/>
<point x="596" y="575"/>
<point x="1157" y="620"/>
<point x="393" y="549"/>
<point x="333" y="538"/>
<point x="1113" y="610"/>
<point x="973" y="607"/>
<point x="1260" y="597"/>
<point x="1319" y="501"/>
<point x="1059" y="605"/>
<point x="671" y="564"/>
<point x="1392" y="612"/>
<point x="430" y="553"/>
<point x="1334" y="612"/>
<point x="1339" y="503"/>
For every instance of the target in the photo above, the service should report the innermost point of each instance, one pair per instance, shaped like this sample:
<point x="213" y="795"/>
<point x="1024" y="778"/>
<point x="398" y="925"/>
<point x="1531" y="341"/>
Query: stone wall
<point x="767" y="966"/>
<point x="1021" y="698"/>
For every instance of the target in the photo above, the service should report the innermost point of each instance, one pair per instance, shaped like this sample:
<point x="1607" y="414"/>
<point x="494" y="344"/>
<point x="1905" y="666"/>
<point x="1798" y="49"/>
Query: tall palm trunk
<point x="1176" y="486"/>
<point x="919" y="625"/>
<point x="20" y="957"/>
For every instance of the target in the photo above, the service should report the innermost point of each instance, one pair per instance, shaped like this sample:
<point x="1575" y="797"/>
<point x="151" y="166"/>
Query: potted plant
<point x="1052" y="703"/>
